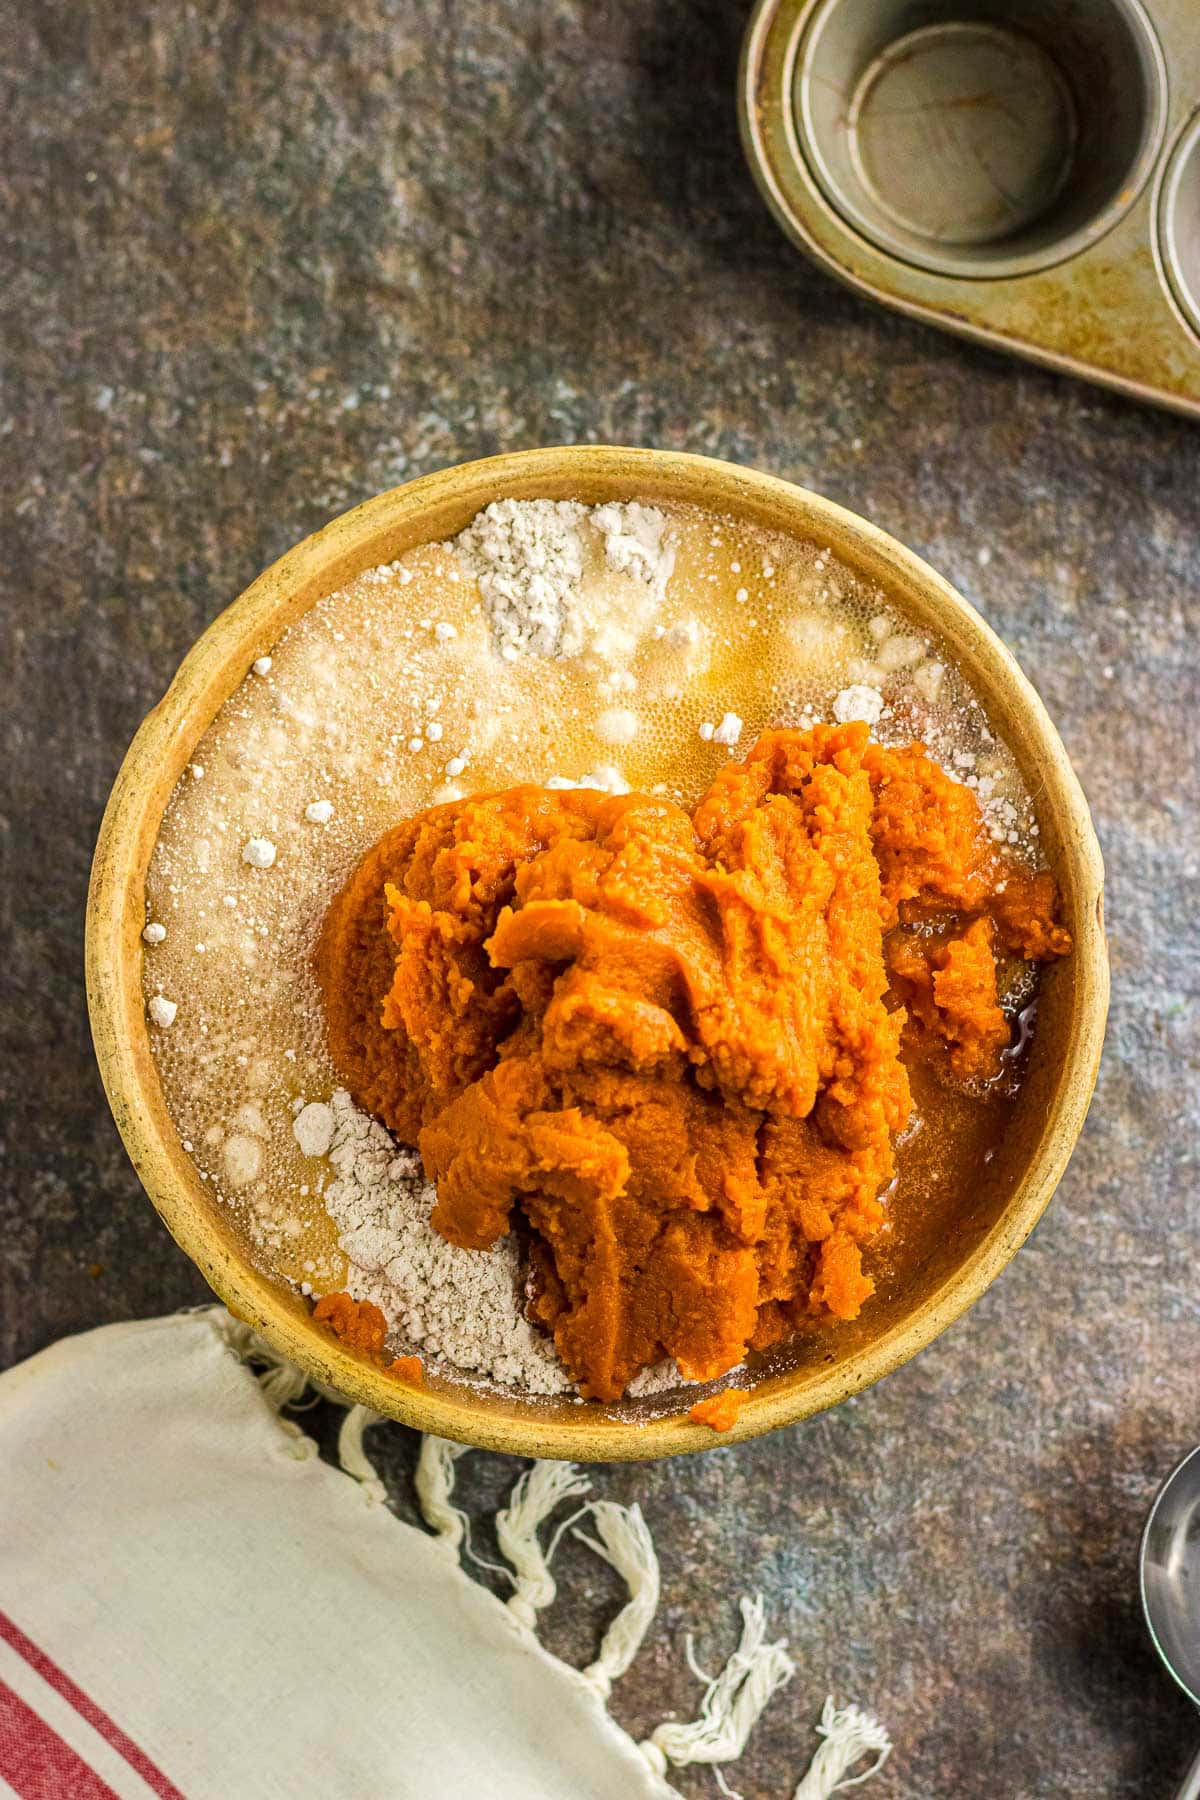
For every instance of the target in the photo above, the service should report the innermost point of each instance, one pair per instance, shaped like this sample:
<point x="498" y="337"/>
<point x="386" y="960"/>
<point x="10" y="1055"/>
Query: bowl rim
<point x="160" y="750"/>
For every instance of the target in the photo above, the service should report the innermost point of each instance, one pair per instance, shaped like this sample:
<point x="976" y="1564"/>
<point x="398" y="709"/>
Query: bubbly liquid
<point x="369" y="706"/>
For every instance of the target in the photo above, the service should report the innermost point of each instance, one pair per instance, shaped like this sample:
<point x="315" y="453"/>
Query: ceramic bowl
<point x="950" y="1272"/>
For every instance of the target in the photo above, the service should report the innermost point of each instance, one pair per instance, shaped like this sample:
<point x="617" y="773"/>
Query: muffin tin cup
<point x="1003" y="168"/>
<point x="1179" y="223"/>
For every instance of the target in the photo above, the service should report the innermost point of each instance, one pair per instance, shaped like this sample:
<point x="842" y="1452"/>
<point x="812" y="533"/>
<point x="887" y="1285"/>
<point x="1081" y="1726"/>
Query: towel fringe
<point x="733" y="1701"/>
<point x="434" y="1482"/>
<point x="536" y="1494"/>
<point x="297" y="1442"/>
<point x="850" y="1734"/>
<point x="280" y="1382"/>
<point x="626" y="1545"/>
<point x="353" y="1458"/>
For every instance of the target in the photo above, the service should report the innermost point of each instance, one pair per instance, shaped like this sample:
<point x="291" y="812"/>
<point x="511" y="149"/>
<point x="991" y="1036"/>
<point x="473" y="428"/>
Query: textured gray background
<point x="263" y="260"/>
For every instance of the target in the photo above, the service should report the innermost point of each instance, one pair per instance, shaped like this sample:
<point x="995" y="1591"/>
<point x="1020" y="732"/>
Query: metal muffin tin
<point x="1024" y="172"/>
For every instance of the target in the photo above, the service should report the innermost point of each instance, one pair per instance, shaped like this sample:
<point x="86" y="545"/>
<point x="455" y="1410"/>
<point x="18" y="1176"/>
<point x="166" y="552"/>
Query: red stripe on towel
<point x="36" y="1763"/>
<point x="87" y="1709"/>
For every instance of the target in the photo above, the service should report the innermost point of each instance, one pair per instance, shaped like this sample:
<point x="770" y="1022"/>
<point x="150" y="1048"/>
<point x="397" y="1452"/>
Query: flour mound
<point x="527" y="556"/>
<point x="636" y="542"/>
<point x="461" y="1307"/>
<point x="546" y="569"/>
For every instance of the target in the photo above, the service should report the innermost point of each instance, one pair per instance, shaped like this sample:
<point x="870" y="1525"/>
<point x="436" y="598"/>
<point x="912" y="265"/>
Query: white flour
<point x="858" y="702"/>
<point x="656" y="1378"/>
<point x="537" y="563"/>
<point x="636" y="542"/>
<point x="458" y="1306"/>
<point x="527" y="556"/>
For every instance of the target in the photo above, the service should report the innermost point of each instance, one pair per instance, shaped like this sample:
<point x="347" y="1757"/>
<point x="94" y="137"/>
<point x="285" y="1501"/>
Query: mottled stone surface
<point x="262" y="260"/>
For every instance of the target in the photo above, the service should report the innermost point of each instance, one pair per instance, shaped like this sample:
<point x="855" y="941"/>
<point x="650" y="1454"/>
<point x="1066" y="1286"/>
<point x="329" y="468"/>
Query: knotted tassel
<point x="280" y="1382"/>
<point x="732" y="1704"/>
<point x="624" y="1543"/>
<point x="535" y="1496"/>
<point x="434" y="1482"/>
<point x="353" y="1457"/>
<point x="849" y="1734"/>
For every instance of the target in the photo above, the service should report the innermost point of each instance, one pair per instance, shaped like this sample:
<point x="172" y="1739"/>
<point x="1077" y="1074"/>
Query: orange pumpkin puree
<point x="359" y="1323"/>
<point x="362" y="1326"/>
<point x="668" y="1047"/>
<point x="720" y="1411"/>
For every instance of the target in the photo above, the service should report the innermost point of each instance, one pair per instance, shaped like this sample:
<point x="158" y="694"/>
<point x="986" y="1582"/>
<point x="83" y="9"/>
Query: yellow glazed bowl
<point x="950" y="1271"/>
